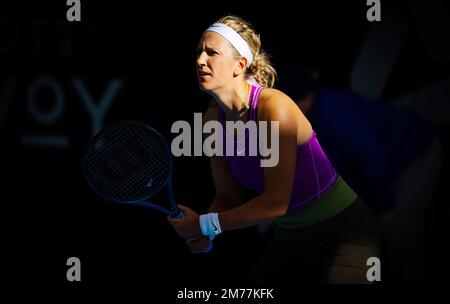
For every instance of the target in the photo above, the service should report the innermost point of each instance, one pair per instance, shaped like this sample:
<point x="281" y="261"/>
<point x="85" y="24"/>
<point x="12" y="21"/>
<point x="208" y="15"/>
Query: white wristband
<point x="209" y="225"/>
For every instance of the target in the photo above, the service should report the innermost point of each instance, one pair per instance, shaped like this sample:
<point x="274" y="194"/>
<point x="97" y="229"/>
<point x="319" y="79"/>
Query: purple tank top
<point x="314" y="174"/>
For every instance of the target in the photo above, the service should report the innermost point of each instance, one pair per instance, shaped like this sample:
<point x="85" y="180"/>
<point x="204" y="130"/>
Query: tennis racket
<point x="129" y="163"/>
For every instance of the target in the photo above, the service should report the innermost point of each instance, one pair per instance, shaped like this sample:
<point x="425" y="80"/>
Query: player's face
<point x="215" y="62"/>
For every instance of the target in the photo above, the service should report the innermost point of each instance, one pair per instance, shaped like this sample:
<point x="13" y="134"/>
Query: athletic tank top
<point x="314" y="174"/>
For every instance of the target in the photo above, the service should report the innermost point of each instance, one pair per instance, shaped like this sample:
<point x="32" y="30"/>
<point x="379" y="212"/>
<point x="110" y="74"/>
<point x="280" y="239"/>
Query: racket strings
<point x="136" y="160"/>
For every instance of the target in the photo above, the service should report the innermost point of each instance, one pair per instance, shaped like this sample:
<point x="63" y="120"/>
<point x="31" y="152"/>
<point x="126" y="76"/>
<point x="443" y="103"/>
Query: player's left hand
<point x="188" y="226"/>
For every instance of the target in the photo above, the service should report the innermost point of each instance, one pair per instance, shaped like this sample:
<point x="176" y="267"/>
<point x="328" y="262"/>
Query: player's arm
<point x="228" y="192"/>
<point x="274" y="201"/>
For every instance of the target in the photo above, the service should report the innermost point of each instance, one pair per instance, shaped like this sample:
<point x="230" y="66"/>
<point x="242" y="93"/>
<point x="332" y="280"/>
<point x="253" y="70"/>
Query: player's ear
<point x="241" y="66"/>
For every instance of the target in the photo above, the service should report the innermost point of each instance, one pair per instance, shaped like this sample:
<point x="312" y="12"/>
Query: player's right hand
<point x="198" y="244"/>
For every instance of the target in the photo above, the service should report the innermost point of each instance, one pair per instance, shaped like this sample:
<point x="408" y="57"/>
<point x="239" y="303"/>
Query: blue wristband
<point x="209" y="225"/>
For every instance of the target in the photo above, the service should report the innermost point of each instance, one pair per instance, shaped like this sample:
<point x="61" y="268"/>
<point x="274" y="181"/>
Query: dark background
<point x="49" y="212"/>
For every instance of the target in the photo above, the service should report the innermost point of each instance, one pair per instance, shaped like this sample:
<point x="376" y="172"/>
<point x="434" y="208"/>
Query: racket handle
<point x="177" y="213"/>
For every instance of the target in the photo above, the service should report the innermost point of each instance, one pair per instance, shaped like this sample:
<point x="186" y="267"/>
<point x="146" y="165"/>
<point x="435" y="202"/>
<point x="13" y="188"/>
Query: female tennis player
<point x="323" y="231"/>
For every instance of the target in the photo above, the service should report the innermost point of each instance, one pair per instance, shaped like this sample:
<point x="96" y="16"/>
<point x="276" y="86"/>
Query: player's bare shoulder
<point x="274" y="102"/>
<point x="212" y="113"/>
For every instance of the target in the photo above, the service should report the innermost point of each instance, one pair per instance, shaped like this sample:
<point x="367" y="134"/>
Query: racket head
<point x="127" y="162"/>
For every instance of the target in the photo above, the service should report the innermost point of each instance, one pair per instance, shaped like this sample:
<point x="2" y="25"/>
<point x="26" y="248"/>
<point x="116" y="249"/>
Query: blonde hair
<point x="261" y="68"/>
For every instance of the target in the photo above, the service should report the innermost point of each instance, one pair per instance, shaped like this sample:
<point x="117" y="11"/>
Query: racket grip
<point x="177" y="213"/>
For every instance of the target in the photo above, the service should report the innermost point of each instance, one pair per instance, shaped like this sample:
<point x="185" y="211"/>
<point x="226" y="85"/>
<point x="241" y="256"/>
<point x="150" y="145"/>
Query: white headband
<point x="234" y="38"/>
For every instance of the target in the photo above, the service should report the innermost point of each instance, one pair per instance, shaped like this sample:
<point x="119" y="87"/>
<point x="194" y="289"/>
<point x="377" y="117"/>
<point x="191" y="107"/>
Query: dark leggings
<point x="332" y="251"/>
